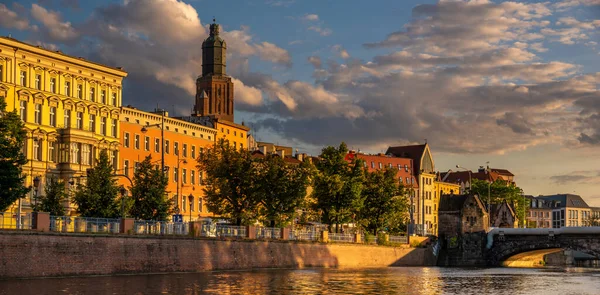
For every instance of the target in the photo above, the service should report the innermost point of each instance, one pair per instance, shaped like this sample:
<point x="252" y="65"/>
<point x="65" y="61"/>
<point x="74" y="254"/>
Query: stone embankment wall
<point x="29" y="254"/>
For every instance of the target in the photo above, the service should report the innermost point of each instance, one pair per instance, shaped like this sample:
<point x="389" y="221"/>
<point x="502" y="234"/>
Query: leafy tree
<point x="281" y="188"/>
<point x="337" y="186"/>
<point x="230" y="190"/>
<point x="500" y="191"/>
<point x="150" y="201"/>
<point x="592" y="220"/>
<point x="98" y="196"/>
<point x="12" y="137"/>
<point x="55" y="196"/>
<point x="385" y="205"/>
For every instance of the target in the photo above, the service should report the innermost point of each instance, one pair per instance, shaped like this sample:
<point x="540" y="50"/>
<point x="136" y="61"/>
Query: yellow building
<point x="70" y="107"/>
<point x="441" y="188"/>
<point x="234" y="133"/>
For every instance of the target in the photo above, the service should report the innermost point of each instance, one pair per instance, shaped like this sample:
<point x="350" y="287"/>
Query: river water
<point x="393" y="280"/>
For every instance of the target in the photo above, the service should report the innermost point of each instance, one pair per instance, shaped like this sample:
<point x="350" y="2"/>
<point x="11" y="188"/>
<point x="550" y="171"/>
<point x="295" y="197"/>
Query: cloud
<point x="518" y="123"/>
<point x="320" y="30"/>
<point x="52" y="21"/>
<point x="11" y="19"/>
<point x="577" y="177"/>
<point x="247" y="95"/>
<point x="310" y="17"/>
<point x="315" y="61"/>
<point x="340" y="51"/>
<point x="280" y="3"/>
<point x="271" y="52"/>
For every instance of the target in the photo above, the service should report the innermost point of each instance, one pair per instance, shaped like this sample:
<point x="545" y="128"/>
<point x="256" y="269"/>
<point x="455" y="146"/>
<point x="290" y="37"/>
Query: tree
<point x="337" y="186"/>
<point x="98" y="196"/>
<point x="281" y="188"/>
<point x="499" y="191"/>
<point x="12" y="159"/>
<point x="385" y="206"/>
<point x="149" y="193"/>
<point x="55" y="196"/>
<point x="593" y="219"/>
<point x="230" y="182"/>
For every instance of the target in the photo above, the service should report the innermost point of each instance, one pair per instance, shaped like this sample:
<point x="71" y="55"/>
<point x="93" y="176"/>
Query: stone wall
<point x="30" y="254"/>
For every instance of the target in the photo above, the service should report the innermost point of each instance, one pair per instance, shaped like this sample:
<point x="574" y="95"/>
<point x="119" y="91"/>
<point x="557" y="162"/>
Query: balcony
<point x="86" y="131"/>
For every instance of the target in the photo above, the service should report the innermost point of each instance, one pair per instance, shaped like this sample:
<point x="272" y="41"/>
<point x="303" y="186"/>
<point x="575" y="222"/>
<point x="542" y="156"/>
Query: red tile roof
<point x="414" y="152"/>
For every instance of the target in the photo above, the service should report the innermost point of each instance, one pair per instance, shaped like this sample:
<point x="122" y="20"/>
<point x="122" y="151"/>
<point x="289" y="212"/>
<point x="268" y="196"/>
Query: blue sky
<point x="513" y="83"/>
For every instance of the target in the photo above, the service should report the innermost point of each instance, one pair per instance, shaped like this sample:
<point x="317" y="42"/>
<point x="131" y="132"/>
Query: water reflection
<point x="422" y="281"/>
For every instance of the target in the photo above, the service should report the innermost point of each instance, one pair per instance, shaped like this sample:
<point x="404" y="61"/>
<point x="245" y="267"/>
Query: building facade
<point x="424" y="170"/>
<point x="441" y="188"/>
<point x="539" y="213"/>
<point x="183" y="143"/>
<point x="70" y="107"/>
<point x="460" y="214"/>
<point x="568" y="210"/>
<point x="503" y="215"/>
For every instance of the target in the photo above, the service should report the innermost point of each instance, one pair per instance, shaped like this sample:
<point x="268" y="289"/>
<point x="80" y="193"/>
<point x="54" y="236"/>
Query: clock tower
<point x="214" y="89"/>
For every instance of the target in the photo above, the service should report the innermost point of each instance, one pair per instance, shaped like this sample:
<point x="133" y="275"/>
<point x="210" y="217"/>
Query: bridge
<point x="499" y="244"/>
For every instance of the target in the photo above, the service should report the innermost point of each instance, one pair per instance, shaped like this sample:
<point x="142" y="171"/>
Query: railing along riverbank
<point x="68" y="224"/>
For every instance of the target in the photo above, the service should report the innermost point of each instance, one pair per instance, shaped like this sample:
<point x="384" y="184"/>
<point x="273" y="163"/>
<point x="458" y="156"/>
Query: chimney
<point x="300" y="157"/>
<point x="263" y="149"/>
<point x="281" y="153"/>
<point x="481" y="169"/>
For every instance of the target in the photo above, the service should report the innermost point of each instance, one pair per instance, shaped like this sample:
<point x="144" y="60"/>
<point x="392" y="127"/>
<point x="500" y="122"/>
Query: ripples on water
<point x="328" y="281"/>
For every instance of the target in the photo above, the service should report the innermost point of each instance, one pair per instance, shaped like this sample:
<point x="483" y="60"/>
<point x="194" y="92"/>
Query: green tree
<point x="337" y="186"/>
<point x="55" y="196"/>
<point x="499" y="191"/>
<point x="385" y="206"/>
<point x="12" y="137"/>
<point x="281" y="188"/>
<point x="98" y="196"/>
<point x="592" y="220"/>
<point x="149" y="193"/>
<point x="230" y="182"/>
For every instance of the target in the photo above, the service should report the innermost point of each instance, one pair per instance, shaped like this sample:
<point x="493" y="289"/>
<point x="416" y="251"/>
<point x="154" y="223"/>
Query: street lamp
<point x="36" y="186"/>
<point x="470" y="180"/>
<point x="161" y="125"/>
<point x="191" y="200"/>
<point x="123" y="192"/>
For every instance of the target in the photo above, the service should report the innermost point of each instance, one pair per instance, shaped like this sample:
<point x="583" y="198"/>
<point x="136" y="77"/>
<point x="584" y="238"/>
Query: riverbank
<point x="34" y="254"/>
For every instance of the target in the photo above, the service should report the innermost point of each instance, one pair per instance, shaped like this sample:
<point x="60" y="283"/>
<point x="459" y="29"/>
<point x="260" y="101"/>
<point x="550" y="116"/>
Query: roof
<point x="414" y="152"/>
<point x="565" y="200"/>
<point x="495" y="208"/>
<point x="502" y="172"/>
<point x="452" y="202"/>
<point x="229" y="123"/>
<point x="463" y="176"/>
<point x="286" y="159"/>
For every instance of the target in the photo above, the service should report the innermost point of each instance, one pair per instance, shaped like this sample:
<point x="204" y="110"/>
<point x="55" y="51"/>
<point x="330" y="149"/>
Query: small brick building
<point x="503" y="215"/>
<point x="460" y="214"/>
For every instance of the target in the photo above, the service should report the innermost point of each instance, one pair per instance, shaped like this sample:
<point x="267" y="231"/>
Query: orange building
<point x="184" y="141"/>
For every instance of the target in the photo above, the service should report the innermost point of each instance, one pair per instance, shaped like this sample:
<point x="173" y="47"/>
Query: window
<point x="93" y="94"/>
<point x="406" y="167"/>
<point x="67" y="118"/>
<point x="167" y="172"/>
<point x="184" y="175"/>
<point x="53" y="85"/>
<point x="38" y="113"/>
<point x="194" y="152"/>
<point x="92" y="122"/>
<point x="192" y="204"/>
<point x="114" y="99"/>
<point x="23" y="78"/>
<point x="136" y="142"/>
<point x="200" y="207"/>
<point x="113" y="126"/>
<point x="147" y="143"/>
<point x="79" y="120"/>
<point x="79" y="91"/>
<point x="157" y="145"/>
<point x="103" y="96"/>
<point x="126" y="167"/>
<point x="75" y="153"/>
<point x="136" y="165"/>
<point x="166" y="146"/>
<point x="176" y="148"/>
<point x="183" y="203"/>
<point x="38" y="82"/>
<point x="372" y="165"/>
<point x="234" y="145"/>
<point x="407" y="180"/>
<point x="126" y="139"/>
<point x="193" y="176"/>
<point x="67" y="88"/>
<point x="86" y="154"/>
<point x="37" y="151"/>
<point x="241" y="146"/>
<point x="23" y="110"/>
<point x="103" y="125"/>
<point x="1" y="72"/>
<point x="53" y="116"/>
<point x="380" y="166"/>
<point x="52" y="148"/>
<point x="234" y="133"/>
<point x="175" y="175"/>
<point x="113" y="159"/>
<point x="185" y="150"/>
<point x="400" y="179"/>
<point x="241" y="135"/>
<point x="390" y="165"/>
<point x="227" y="131"/>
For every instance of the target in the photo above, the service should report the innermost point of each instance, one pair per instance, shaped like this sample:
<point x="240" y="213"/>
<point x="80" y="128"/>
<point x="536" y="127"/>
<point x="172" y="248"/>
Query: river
<point x="393" y="280"/>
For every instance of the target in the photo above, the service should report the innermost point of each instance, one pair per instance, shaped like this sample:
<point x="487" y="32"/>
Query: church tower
<point x="214" y="89"/>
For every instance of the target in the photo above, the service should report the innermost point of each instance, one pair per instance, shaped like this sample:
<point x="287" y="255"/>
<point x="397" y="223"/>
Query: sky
<point x="514" y="84"/>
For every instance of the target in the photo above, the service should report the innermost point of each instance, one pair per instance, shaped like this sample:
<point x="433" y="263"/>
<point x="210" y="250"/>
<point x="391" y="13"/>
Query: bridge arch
<point x="505" y="243"/>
